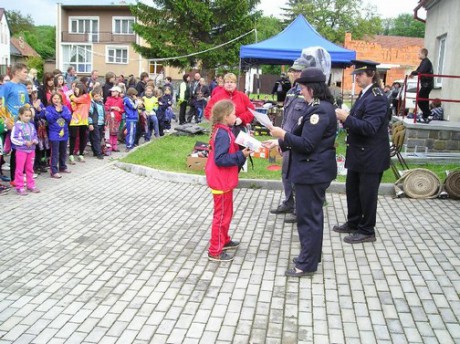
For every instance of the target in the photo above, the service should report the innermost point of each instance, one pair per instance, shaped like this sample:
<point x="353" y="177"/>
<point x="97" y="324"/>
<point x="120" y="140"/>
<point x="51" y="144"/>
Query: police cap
<point x="311" y="75"/>
<point x="364" y="65"/>
<point x="299" y="65"/>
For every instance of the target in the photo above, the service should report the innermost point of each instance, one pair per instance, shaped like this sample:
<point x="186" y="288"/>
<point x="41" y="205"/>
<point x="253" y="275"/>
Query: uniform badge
<point x="314" y="119"/>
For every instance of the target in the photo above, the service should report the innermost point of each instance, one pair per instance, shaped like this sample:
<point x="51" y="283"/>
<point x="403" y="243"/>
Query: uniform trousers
<point x="223" y="213"/>
<point x="310" y="223"/>
<point x="362" y="195"/>
<point x="288" y="186"/>
<point x="24" y="161"/>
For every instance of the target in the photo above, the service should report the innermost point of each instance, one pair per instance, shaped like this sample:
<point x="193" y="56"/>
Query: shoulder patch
<point x="377" y="91"/>
<point x="314" y="119"/>
<point x="316" y="101"/>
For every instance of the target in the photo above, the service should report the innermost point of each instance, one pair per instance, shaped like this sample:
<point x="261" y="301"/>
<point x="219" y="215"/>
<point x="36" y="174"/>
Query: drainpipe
<point x="416" y="17"/>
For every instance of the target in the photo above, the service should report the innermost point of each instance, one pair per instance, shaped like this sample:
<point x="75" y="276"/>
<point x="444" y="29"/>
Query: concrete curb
<point x="336" y="187"/>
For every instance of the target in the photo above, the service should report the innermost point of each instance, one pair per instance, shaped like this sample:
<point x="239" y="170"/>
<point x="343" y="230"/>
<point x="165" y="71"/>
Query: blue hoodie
<point x="58" y="123"/>
<point x="130" y="109"/>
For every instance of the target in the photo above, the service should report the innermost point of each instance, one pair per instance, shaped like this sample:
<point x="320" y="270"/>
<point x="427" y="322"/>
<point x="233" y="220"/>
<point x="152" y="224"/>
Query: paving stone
<point x="126" y="273"/>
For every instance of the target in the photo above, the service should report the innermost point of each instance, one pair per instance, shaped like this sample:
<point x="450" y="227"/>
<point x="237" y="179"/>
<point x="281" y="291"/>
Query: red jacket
<point x="118" y="102"/>
<point x="241" y="101"/>
<point x="224" y="160"/>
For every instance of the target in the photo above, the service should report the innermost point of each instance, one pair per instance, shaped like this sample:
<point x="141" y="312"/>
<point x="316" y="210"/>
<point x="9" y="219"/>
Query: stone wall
<point x="436" y="137"/>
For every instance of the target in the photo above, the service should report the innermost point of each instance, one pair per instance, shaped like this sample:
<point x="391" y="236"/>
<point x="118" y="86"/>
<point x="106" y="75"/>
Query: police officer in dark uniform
<point x="368" y="153"/>
<point x="312" y="166"/>
<point x="294" y="108"/>
<point x="281" y="87"/>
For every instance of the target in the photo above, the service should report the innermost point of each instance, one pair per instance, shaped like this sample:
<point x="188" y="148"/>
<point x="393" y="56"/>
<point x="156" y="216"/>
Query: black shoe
<point x="358" y="238"/>
<point x="293" y="272"/>
<point x="282" y="209"/>
<point x="290" y="218"/>
<point x="100" y="157"/>
<point x="223" y="257"/>
<point x="231" y="245"/>
<point x="345" y="228"/>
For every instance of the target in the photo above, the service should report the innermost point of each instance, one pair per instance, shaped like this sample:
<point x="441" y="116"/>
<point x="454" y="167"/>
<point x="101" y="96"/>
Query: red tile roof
<point x="25" y="49"/>
<point x="395" y="41"/>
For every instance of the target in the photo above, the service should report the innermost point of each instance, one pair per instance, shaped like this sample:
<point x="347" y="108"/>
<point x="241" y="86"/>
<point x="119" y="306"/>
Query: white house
<point x="4" y="42"/>
<point x="441" y="40"/>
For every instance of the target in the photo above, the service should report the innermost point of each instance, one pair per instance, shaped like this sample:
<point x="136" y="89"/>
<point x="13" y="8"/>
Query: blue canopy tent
<point x="287" y="46"/>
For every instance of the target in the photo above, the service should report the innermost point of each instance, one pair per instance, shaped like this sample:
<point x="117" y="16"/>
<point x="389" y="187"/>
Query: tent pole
<point x="258" y="83"/>
<point x="342" y="85"/>
<point x="239" y="75"/>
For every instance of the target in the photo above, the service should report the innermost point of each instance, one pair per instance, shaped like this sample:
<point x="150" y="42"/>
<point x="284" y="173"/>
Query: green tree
<point x="406" y="25"/>
<point x="43" y="40"/>
<point x="37" y="63"/>
<point x="333" y="18"/>
<point x="19" y="23"/>
<point x="174" y="28"/>
<point x="268" y="27"/>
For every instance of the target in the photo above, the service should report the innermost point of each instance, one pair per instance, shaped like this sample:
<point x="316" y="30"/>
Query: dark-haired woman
<point x="312" y="166"/>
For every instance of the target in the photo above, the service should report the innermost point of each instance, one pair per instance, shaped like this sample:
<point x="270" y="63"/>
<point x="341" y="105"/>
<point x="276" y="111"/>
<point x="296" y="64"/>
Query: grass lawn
<point x="170" y="154"/>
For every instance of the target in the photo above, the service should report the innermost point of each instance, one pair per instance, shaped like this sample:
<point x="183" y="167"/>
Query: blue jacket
<point x="96" y="113"/>
<point x="368" y="145"/>
<point x="130" y="109"/>
<point x="312" y="145"/>
<point x="58" y="123"/>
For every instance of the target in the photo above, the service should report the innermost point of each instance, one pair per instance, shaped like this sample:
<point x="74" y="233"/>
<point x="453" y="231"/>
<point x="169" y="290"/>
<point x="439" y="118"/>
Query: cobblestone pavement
<point x="105" y="256"/>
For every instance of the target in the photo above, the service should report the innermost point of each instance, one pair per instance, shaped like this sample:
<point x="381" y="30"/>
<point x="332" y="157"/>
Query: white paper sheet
<point x="262" y="118"/>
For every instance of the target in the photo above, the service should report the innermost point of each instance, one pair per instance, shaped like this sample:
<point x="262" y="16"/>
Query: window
<point x="117" y="55"/>
<point x="79" y="56"/>
<point x="123" y="25"/>
<point x="441" y="59"/>
<point x="155" y="68"/>
<point x="87" y="25"/>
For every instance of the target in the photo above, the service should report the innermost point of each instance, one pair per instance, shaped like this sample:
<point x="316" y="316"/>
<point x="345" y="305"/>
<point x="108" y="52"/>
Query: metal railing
<point x="417" y="98"/>
<point x="97" y="37"/>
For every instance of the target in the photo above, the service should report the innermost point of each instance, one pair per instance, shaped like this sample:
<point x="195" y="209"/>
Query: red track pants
<point x="223" y="213"/>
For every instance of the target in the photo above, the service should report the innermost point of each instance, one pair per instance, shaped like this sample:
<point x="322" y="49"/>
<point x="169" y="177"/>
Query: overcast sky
<point x="44" y="11"/>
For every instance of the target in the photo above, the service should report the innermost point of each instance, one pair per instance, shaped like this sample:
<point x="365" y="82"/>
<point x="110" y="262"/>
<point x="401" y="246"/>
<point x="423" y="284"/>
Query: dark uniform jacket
<point x="295" y="107"/>
<point x="368" y="147"/>
<point x="425" y="67"/>
<point x="311" y="143"/>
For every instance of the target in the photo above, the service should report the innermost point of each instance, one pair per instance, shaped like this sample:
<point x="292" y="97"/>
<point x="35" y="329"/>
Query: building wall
<point x="405" y="57"/>
<point x="442" y="21"/>
<point x="4" y="45"/>
<point x="136" y="64"/>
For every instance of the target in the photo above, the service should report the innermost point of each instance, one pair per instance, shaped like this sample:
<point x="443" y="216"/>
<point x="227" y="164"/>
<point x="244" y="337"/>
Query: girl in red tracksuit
<point x="222" y="176"/>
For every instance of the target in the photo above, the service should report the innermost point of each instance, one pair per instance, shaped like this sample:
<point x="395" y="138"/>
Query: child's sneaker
<point x="21" y="192"/>
<point x="223" y="257"/>
<point x="71" y="159"/>
<point x="231" y="245"/>
<point x="4" y="189"/>
<point x="34" y="190"/>
<point x="81" y="158"/>
<point x="5" y="178"/>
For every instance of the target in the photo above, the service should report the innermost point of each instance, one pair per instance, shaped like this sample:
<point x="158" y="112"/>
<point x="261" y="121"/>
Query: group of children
<point x="41" y="134"/>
